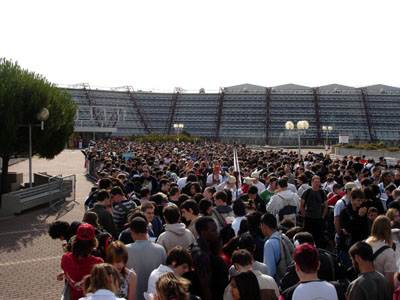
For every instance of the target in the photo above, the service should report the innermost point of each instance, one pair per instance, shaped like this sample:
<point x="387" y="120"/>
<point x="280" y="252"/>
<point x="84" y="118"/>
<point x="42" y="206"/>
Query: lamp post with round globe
<point x="301" y="126"/>
<point x="41" y="116"/>
<point x="327" y="129"/>
<point x="178" y="127"/>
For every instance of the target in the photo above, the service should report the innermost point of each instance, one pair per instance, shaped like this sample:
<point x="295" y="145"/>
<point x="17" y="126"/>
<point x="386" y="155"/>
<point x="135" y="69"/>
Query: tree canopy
<point x="22" y="95"/>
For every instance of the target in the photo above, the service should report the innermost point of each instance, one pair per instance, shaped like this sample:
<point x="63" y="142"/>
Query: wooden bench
<point x="18" y="201"/>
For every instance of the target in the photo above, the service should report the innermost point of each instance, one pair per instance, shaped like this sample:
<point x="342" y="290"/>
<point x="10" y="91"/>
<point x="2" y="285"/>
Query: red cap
<point x="85" y="232"/>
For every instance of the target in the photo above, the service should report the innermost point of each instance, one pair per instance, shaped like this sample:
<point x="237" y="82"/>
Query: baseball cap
<point x="350" y="186"/>
<point x="85" y="232"/>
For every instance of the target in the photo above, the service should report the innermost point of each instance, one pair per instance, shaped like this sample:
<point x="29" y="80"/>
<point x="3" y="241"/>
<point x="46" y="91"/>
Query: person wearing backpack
<point x="370" y="284"/>
<point x="278" y="249"/>
<point x="285" y="204"/>
<point x="314" y="207"/>
<point x="122" y="208"/>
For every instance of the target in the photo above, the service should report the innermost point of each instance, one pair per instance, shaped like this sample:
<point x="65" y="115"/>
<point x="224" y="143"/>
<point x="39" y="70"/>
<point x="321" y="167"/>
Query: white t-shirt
<point x="315" y="290"/>
<point x="236" y="224"/>
<point x="154" y="276"/>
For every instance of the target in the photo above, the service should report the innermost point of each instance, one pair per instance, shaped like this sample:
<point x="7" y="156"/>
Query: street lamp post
<point x="41" y="116"/>
<point x="178" y="127"/>
<point x="327" y="129"/>
<point x="301" y="126"/>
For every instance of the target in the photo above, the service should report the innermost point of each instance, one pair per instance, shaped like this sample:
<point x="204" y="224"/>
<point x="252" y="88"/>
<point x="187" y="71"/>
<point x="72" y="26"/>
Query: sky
<point x="160" y="45"/>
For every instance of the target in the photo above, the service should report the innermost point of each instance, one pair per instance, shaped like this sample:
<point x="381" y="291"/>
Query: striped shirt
<point x="120" y="214"/>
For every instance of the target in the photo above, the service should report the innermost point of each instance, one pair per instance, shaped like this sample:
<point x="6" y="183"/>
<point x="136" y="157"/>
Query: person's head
<point x="306" y="259"/>
<point x="116" y="194"/>
<point x="146" y="171"/>
<point x="169" y="286"/>
<point x="171" y="214"/>
<point x="242" y="259"/>
<point x="282" y="184"/>
<point x="349" y="187"/>
<point x="393" y="214"/>
<point x="84" y="241"/>
<point x="220" y="198"/>
<point x="205" y="207"/>
<point x="268" y="224"/>
<point x="244" y="285"/>
<point x="301" y="179"/>
<point x="138" y="228"/>
<point x="91" y="218"/>
<point x="272" y="183"/>
<point x="117" y="255"/>
<point x="103" y="198"/>
<point x="381" y="230"/>
<point x="164" y="185"/>
<point x="207" y="229"/>
<point x="209" y="192"/>
<point x="386" y="177"/>
<point x="179" y="259"/>
<point x="239" y="208"/>
<point x="103" y="276"/>
<point x="356" y="196"/>
<point x="105" y="184"/>
<point x="372" y="214"/>
<point x="144" y="193"/>
<point x="175" y="193"/>
<point x="336" y="188"/>
<point x="190" y="209"/>
<point x="147" y="209"/>
<point x="246" y="241"/>
<point x="396" y="194"/>
<point x="315" y="182"/>
<point x="195" y="188"/>
<point x="303" y="237"/>
<point x="58" y="230"/>
<point x="362" y="254"/>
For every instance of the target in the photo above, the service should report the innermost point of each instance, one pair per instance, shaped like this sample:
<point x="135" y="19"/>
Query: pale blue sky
<point x="210" y="44"/>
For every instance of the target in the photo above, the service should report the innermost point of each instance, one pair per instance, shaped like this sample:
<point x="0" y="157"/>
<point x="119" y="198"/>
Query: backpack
<point x="288" y="210"/>
<point x="287" y="250"/>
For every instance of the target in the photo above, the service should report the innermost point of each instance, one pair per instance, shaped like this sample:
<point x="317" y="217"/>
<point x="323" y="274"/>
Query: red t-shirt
<point x="75" y="269"/>
<point x="332" y="200"/>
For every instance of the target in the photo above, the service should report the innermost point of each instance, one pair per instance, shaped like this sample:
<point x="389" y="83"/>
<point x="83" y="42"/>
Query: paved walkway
<point x="29" y="258"/>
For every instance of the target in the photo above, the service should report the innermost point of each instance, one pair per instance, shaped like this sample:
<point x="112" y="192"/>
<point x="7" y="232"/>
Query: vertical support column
<point x="371" y="129"/>
<point x="30" y="155"/>
<point x="171" y="115"/>
<point x="317" y="113"/>
<point x="267" y="113"/>
<point x="219" y="114"/>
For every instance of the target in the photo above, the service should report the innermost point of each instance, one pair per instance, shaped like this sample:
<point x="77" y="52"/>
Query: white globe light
<point x="330" y="128"/>
<point x="324" y="128"/>
<point x="300" y="125"/>
<point x="289" y="125"/>
<point x="306" y="125"/>
<point x="43" y="114"/>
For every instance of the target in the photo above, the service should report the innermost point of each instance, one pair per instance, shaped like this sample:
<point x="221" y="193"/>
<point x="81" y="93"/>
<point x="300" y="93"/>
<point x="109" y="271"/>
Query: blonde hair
<point x="382" y="230"/>
<point x="99" y="278"/>
<point x="391" y="213"/>
<point x="169" y="286"/>
<point x="117" y="252"/>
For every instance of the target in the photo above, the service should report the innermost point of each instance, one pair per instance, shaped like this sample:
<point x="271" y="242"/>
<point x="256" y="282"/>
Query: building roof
<point x="291" y="86"/>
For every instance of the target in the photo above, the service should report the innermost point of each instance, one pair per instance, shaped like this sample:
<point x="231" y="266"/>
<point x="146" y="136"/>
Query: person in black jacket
<point x="354" y="224"/>
<point x="329" y="268"/>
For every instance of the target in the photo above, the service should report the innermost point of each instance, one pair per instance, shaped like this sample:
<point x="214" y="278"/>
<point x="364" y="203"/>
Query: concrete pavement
<point x="29" y="258"/>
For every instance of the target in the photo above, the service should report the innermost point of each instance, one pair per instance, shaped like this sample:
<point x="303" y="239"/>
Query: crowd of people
<point x="216" y="221"/>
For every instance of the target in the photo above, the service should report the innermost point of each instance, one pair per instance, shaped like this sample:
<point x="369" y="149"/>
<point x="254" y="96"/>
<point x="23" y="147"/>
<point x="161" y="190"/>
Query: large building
<point x="244" y="113"/>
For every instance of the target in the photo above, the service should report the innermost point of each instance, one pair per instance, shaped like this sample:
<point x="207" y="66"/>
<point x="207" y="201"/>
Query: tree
<point x="22" y="95"/>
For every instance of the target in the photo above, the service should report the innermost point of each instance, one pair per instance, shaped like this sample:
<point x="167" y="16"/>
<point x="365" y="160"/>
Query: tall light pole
<point x="301" y="126"/>
<point x="178" y="127"/>
<point x="41" y="116"/>
<point x="327" y="129"/>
